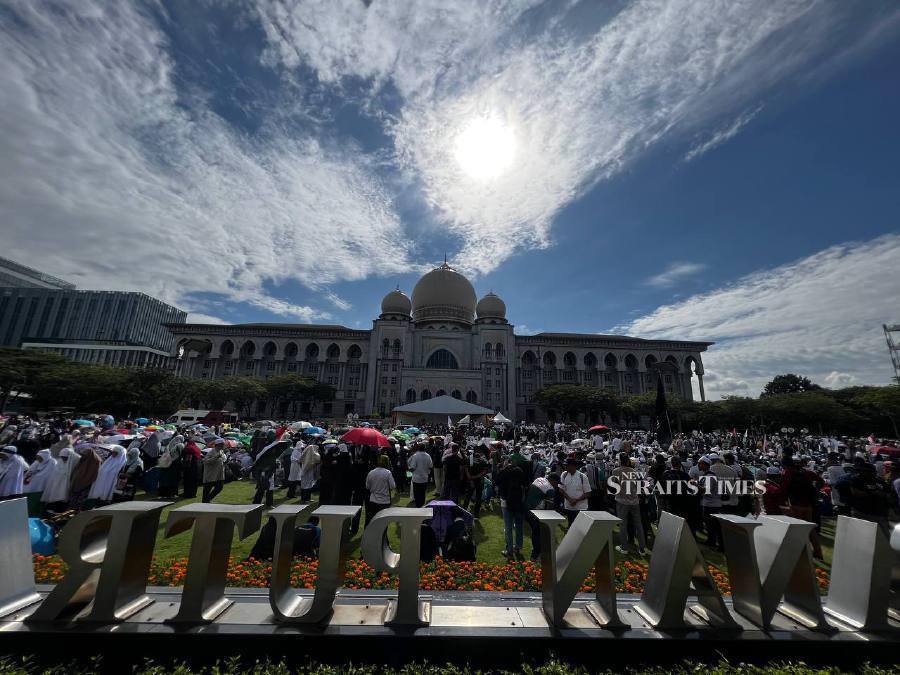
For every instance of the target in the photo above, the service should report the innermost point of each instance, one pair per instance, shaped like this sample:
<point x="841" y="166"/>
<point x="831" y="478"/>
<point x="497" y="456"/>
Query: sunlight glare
<point x="485" y="147"/>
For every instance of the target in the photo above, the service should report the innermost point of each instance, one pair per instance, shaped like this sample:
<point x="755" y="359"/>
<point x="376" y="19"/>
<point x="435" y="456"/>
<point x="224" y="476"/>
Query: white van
<point x="195" y="416"/>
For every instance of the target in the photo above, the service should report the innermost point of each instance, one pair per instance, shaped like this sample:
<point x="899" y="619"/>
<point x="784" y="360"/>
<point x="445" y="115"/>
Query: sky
<point x="723" y="171"/>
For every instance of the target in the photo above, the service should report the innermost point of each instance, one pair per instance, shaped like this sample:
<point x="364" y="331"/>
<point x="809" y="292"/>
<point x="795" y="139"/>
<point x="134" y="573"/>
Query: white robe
<point x="105" y="484"/>
<point x="39" y="472"/>
<point x="13" y="469"/>
<point x="296" y="458"/>
<point x="308" y="467"/>
<point x="57" y="487"/>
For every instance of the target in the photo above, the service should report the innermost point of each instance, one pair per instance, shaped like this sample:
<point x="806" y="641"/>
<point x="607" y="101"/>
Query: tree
<point x="244" y="391"/>
<point x="570" y="400"/>
<point x="636" y="406"/>
<point x="19" y="367"/>
<point x="884" y="401"/>
<point x="788" y="384"/>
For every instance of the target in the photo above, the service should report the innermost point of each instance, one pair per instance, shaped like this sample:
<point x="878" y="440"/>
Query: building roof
<point x="604" y="336"/>
<point x="443" y="405"/>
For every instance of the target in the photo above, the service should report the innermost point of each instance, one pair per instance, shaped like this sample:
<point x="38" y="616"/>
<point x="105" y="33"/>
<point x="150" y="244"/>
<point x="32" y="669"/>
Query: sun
<point x="485" y="147"/>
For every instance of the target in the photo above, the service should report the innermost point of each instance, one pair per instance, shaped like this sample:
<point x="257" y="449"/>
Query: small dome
<point x="443" y="294"/>
<point x="396" y="302"/>
<point x="491" y="307"/>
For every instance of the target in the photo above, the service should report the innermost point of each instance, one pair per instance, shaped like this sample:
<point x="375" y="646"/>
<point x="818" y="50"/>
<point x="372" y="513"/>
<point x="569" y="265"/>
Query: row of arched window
<point x="411" y="395"/>
<point x="389" y="349"/>
<point x="291" y="350"/>
<point x="529" y="360"/>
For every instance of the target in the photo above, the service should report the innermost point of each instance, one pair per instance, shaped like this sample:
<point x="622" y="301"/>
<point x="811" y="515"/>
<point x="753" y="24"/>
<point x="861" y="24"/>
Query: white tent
<point x="465" y="420"/>
<point x="500" y="419"/>
<point x="437" y="410"/>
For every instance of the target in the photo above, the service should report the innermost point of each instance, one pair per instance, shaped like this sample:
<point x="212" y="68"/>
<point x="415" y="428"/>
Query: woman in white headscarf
<point x="105" y="484"/>
<point x="309" y="463"/>
<point x="56" y="491"/>
<point x="36" y="480"/>
<point x="12" y="472"/>
<point x="294" y="474"/>
<point x="130" y="474"/>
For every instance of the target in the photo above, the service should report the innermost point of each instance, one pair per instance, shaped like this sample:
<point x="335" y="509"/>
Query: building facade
<point x="115" y="328"/>
<point x="16" y="275"/>
<point x="442" y="340"/>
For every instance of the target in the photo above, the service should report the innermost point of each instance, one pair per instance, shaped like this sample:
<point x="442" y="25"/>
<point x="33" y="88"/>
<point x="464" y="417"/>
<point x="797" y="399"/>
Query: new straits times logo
<point x="638" y="484"/>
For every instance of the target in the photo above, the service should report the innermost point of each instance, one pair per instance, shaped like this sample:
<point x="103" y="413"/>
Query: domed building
<point x="440" y="340"/>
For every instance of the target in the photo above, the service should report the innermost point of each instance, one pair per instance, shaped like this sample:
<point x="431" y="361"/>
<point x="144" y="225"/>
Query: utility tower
<point x="892" y="335"/>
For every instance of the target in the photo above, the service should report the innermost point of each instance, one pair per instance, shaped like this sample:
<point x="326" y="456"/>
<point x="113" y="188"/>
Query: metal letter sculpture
<point x="378" y="554"/>
<point x="588" y="543"/>
<point x="894" y="601"/>
<point x="288" y="606"/>
<point x="203" y="597"/>
<point x="17" y="576"/>
<point x="769" y="559"/>
<point x="108" y="551"/>
<point x="859" y="591"/>
<point x="677" y="570"/>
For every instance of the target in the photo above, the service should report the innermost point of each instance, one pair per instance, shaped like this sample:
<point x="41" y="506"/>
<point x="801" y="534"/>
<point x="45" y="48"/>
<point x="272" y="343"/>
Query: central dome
<point x="444" y="295"/>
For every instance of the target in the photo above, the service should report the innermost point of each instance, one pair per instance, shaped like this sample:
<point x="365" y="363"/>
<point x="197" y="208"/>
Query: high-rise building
<point x="115" y="328"/>
<point x="16" y="275"/>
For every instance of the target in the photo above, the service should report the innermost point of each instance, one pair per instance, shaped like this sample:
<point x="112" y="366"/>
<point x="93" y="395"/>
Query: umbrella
<point x="142" y="420"/>
<point x="412" y="430"/>
<point x="84" y="423"/>
<point x="597" y="428"/>
<point x="364" y="436"/>
<point x="264" y="423"/>
<point x="313" y="430"/>
<point x="330" y="441"/>
<point x="300" y="426"/>
<point x="399" y="435"/>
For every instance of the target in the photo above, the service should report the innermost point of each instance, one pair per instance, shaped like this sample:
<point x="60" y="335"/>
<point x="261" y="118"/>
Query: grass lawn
<point x="488" y="529"/>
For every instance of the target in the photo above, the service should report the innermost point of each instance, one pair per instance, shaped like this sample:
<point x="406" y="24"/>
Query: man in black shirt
<point x="453" y="466"/>
<point x="512" y="484"/>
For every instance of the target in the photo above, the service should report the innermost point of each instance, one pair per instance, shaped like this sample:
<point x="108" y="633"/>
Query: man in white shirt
<point x="420" y="465"/>
<point x="379" y="483"/>
<point x="575" y="488"/>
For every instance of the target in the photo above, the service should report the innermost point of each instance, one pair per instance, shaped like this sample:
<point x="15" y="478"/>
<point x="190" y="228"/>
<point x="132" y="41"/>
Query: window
<point x="410" y="395"/>
<point x="497" y="384"/>
<point x="229" y="364"/>
<point x="456" y="394"/>
<point x="270" y="365"/>
<point x="487" y="384"/>
<point x="384" y="379"/>
<point x="487" y="397"/>
<point x="393" y="380"/>
<point x="207" y="363"/>
<point x="394" y="367"/>
<point x="471" y="397"/>
<point x="496" y="371"/>
<point x="442" y="359"/>
<point x="425" y="395"/>
<point x="292" y="367"/>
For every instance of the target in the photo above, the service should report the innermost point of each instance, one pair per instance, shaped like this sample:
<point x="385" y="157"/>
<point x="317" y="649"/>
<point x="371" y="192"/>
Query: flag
<point x="449" y="423"/>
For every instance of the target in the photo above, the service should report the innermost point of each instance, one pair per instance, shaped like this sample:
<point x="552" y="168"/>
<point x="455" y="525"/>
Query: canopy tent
<point x="437" y="410"/>
<point x="499" y="418"/>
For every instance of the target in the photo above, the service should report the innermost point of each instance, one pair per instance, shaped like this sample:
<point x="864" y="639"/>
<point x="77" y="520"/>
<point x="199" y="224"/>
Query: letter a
<point x="677" y="570"/>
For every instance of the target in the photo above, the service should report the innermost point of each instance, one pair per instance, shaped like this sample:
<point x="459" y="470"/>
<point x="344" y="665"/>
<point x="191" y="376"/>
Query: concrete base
<point x="485" y="629"/>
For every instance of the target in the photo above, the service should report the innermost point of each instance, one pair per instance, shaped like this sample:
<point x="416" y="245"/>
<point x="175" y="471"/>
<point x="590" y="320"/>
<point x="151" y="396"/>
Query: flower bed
<point x="440" y="575"/>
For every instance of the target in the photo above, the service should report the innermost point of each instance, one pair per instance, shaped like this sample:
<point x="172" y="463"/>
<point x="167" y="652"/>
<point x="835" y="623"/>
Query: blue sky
<point x="699" y="170"/>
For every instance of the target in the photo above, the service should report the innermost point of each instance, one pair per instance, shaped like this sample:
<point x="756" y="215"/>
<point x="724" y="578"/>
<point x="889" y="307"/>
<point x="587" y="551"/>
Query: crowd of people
<point x="63" y="466"/>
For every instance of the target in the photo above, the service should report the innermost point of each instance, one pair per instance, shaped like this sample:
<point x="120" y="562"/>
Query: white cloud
<point x="522" y="329"/>
<point x="722" y="135"/>
<point x="338" y="301"/>
<point x="116" y="179"/>
<point x="284" y="308"/>
<point x="198" y="317"/>
<point x="820" y="316"/>
<point x="675" y="273"/>
<point x="584" y="91"/>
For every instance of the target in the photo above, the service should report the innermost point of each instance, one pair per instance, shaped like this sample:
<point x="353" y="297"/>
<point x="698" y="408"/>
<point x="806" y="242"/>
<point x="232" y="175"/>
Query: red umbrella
<point x="597" y="428"/>
<point x="366" y="436"/>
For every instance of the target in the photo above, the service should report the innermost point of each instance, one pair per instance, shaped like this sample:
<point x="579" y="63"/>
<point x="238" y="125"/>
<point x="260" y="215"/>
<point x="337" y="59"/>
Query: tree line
<point x="53" y="382"/>
<point x="787" y="401"/>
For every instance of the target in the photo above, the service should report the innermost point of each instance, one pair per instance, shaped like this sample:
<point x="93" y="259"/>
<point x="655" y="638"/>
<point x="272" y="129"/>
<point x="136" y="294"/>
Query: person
<point x="511" y="486"/>
<point x="452" y="474"/>
<point x="834" y="471"/>
<point x="678" y="501"/>
<point x="575" y="488"/>
<point x="190" y="463"/>
<point x="800" y="493"/>
<point x="595" y="470"/>
<point x="56" y="492"/>
<point x="83" y="476"/>
<point x="540" y="496"/>
<point x="420" y="464"/>
<point x="309" y="463"/>
<point x="36" y="479"/>
<point x="628" y="507"/>
<point x="710" y="502"/>
<point x="379" y="483"/>
<point x="169" y="464"/>
<point x="475" y="487"/>
<point x="129" y="476"/>
<point x="294" y="471"/>
<point x="213" y="470"/>
<point x="101" y="491"/>
<point x="437" y="463"/>
<point x="12" y="472"/>
<point x="151" y="449"/>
